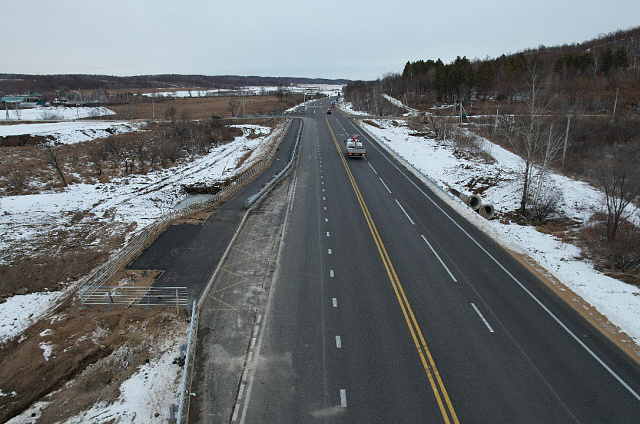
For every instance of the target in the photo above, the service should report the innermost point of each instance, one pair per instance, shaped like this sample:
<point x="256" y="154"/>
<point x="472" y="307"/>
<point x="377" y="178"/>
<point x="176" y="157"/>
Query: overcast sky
<point x="352" y="39"/>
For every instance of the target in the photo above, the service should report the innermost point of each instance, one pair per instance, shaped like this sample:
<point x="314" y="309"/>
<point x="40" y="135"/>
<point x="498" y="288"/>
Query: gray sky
<point x="353" y="39"/>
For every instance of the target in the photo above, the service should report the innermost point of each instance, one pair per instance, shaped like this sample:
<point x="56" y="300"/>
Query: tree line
<point x="21" y="83"/>
<point x="572" y="109"/>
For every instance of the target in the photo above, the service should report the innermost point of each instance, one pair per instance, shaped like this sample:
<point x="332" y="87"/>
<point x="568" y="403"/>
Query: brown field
<point x="204" y="107"/>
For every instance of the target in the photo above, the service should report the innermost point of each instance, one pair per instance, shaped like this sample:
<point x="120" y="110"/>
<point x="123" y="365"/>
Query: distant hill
<point x="19" y="83"/>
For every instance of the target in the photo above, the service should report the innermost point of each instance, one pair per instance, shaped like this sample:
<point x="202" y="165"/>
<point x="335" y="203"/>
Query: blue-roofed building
<point x="26" y="101"/>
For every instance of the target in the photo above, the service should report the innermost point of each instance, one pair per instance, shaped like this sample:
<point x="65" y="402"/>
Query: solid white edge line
<point x="405" y="212"/>
<point x="482" y="317"/>
<point x="385" y="186"/>
<point x="343" y="398"/>
<point x="547" y="310"/>
<point x="440" y="259"/>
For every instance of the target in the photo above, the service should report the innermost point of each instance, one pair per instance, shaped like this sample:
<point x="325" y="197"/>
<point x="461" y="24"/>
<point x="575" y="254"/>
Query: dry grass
<point x="204" y="107"/>
<point x="93" y="351"/>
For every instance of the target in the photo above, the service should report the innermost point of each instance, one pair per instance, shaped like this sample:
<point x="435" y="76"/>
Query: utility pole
<point x="566" y="138"/>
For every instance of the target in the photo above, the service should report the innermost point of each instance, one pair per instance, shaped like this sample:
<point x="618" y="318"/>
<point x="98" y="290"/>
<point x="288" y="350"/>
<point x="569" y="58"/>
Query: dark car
<point x="329" y="112"/>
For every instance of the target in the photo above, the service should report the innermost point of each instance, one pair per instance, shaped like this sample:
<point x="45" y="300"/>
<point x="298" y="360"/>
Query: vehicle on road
<point x="355" y="149"/>
<point x="329" y="111"/>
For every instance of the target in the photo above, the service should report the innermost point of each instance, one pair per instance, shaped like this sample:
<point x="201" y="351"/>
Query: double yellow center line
<point x="437" y="386"/>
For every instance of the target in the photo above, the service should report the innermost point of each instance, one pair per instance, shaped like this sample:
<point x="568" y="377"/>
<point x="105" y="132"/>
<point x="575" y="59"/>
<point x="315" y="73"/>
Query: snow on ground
<point x="70" y="132"/>
<point x="618" y="301"/>
<point x="150" y="391"/>
<point x="327" y="89"/>
<point x="347" y="107"/>
<point x="398" y="103"/>
<point x="53" y="113"/>
<point x="19" y="312"/>
<point x="139" y="199"/>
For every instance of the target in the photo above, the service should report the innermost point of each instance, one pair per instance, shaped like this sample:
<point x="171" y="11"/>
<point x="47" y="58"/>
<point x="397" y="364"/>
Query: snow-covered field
<point x="326" y="89"/>
<point x="135" y="199"/>
<point x="618" y="301"/>
<point x="53" y="113"/>
<point x="70" y="132"/>
<point x="138" y="199"/>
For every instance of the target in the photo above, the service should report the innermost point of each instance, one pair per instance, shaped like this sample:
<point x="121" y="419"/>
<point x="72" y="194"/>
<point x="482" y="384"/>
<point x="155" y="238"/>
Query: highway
<point x="387" y="307"/>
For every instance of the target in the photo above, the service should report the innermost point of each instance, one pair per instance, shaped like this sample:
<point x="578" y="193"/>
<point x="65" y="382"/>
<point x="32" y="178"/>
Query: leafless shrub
<point x="466" y="142"/>
<point x="50" y="115"/>
<point x="17" y="182"/>
<point x="543" y="203"/>
<point x="621" y="255"/>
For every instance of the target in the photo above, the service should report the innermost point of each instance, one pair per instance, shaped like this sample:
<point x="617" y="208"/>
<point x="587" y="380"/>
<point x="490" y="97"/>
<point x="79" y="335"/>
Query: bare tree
<point x="618" y="177"/>
<point x="55" y="160"/>
<point x="233" y="104"/>
<point x="531" y="136"/>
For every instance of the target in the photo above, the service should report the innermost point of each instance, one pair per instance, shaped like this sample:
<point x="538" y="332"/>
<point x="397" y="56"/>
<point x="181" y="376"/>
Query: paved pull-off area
<point x="232" y="313"/>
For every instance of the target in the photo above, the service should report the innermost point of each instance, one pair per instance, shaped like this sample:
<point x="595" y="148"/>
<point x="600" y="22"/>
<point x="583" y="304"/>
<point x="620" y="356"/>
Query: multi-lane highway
<point x="388" y="307"/>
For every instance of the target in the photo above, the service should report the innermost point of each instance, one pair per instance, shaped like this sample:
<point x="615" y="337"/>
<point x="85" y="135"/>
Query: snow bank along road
<point x="388" y="307"/>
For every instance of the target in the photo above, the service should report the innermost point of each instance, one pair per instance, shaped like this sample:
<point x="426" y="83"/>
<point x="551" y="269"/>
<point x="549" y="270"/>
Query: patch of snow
<point x="398" y="103"/>
<point x="54" y="113"/>
<point x="47" y="349"/>
<point x="20" y="311"/>
<point x="347" y="107"/>
<point x="146" y="396"/>
<point x="31" y="415"/>
<point x="70" y="132"/>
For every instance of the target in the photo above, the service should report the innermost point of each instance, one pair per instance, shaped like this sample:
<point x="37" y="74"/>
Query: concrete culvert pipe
<point x="473" y="201"/>
<point x="487" y="211"/>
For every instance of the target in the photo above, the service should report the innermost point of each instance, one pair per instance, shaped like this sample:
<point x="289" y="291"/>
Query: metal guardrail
<point x="92" y="287"/>
<point x="182" y="409"/>
<point x="191" y="342"/>
<point x="275" y="179"/>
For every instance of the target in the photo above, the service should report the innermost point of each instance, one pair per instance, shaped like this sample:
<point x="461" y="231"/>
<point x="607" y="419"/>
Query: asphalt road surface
<point x="387" y="307"/>
<point x="188" y="254"/>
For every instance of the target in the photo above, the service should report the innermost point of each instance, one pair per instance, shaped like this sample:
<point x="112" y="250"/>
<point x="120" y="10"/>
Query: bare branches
<point x="617" y="175"/>
<point x="56" y="161"/>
